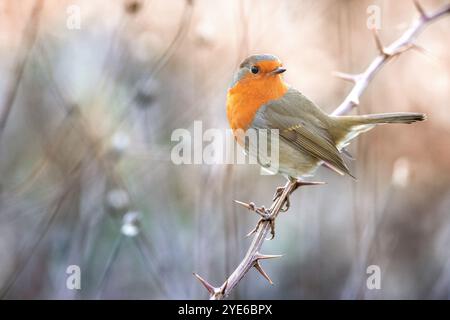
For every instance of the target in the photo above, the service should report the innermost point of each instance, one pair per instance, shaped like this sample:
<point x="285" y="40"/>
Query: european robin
<point x="308" y="137"/>
<point x="259" y="98"/>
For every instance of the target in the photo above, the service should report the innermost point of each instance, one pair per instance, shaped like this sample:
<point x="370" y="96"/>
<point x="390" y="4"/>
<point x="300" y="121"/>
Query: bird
<point x="259" y="99"/>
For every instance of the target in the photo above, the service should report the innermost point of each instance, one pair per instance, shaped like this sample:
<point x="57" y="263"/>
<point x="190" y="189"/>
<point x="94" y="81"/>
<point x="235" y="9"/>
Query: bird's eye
<point x="254" y="69"/>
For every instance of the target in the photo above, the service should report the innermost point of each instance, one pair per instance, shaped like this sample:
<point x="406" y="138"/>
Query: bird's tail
<point x="346" y="128"/>
<point x="381" y="118"/>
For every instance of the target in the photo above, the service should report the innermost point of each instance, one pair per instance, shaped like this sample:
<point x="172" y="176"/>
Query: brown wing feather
<point x="315" y="145"/>
<point x="301" y="126"/>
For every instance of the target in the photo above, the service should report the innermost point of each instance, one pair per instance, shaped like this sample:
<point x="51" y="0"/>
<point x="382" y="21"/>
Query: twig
<point x="361" y="81"/>
<point x="405" y="42"/>
<point x="253" y="256"/>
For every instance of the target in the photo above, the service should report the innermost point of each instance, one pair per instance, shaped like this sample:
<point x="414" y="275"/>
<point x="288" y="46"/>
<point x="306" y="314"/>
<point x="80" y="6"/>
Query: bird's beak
<point x="278" y="70"/>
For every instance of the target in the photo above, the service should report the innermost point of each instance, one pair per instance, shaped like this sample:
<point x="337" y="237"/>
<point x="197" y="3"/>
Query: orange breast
<point x="248" y="95"/>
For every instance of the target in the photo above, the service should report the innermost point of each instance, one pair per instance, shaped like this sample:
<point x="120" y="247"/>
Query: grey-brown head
<point x="258" y="65"/>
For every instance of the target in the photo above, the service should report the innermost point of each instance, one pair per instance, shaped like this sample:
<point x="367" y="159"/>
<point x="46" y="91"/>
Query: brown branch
<point x="361" y="81"/>
<point x="253" y="256"/>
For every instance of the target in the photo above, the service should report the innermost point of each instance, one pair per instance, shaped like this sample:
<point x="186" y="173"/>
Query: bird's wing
<point x="301" y="124"/>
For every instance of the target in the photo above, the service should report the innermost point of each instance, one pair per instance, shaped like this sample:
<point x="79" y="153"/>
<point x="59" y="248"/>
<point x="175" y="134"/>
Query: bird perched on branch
<point x="259" y="99"/>
<point x="308" y="137"/>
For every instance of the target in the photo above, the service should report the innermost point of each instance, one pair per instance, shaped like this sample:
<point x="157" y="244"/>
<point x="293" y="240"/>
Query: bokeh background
<point x="86" y="177"/>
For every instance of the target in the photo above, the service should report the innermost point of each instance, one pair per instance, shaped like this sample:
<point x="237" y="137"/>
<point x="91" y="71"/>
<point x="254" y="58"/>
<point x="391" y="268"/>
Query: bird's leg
<point x="265" y="217"/>
<point x="298" y="183"/>
<point x="279" y="191"/>
<point x="272" y="227"/>
<point x="286" y="202"/>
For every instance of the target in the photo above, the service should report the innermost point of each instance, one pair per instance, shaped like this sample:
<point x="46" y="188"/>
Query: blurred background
<point x="91" y="91"/>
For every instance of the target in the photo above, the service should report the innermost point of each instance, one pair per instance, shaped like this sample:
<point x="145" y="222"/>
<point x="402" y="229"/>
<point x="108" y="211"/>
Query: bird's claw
<point x="266" y="214"/>
<point x="286" y="202"/>
<point x="265" y="217"/>
<point x="277" y="193"/>
<point x="272" y="228"/>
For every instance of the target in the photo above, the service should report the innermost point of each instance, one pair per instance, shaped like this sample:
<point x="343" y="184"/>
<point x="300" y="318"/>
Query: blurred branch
<point x="160" y="62"/>
<point x="361" y="81"/>
<point x="29" y="37"/>
<point x="44" y="226"/>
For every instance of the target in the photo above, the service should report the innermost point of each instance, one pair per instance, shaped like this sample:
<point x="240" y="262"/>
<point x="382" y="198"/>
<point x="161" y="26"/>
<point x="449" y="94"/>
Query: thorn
<point x="252" y="232"/>
<point x="249" y="206"/>
<point x="260" y="256"/>
<point x="309" y="183"/>
<point x="378" y="44"/>
<point x="206" y="284"/>
<point x="346" y="76"/>
<point x="424" y="51"/>
<point x="261" y="211"/>
<point x="420" y="9"/>
<point x="224" y="287"/>
<point x="354" y="101"/>
<point x="263" y="273"/>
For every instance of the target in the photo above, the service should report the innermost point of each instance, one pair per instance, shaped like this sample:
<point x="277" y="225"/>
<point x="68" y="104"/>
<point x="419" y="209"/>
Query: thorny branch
<point x="281" y="198"/>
